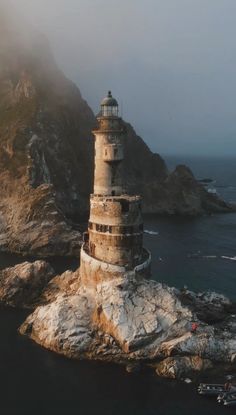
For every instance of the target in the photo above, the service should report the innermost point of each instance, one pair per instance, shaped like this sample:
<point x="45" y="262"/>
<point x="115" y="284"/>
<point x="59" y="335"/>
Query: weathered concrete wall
<point x="116" y="249"/>
<point x="110" y="123"/>
<point x="116" y="229"/>
<point x="109" y="155"/>
<point x="93" y="272"/>
<point x="144" y="268"/>
<point x="113" y="152"/>
<point x="116" y="211"/>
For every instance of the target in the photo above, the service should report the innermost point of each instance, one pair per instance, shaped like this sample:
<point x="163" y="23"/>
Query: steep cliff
<point x="46" y="155"/>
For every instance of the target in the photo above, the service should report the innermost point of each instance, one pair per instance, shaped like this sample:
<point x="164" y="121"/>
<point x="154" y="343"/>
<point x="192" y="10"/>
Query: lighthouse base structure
<point x="116" y="229"/>
<point x="94" y="271"/>
<point x="113" y="245"/>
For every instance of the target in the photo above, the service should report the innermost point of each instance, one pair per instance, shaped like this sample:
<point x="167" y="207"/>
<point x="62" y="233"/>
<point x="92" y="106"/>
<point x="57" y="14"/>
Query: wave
<point x="198" y="255"/>
<point x="231" y="258"/>
<point x="195" y="255"/>
<point x="151" y="232"/>
<point x="226" y="186"/>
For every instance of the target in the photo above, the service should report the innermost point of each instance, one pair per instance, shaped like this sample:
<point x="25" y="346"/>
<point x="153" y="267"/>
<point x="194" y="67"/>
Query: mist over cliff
<point x="46" y="154"/>
<point x="176" y="60"/>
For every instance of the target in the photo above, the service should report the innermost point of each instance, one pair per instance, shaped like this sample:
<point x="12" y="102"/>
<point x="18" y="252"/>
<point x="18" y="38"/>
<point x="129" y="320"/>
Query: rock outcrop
<point x="209" y="307"/>
<point x="181" y="367"/>
<point x="132" y="321"/>
<point x="22" y="285"/>
<point x="46" y="156"/>
<point x="181" y="194"/>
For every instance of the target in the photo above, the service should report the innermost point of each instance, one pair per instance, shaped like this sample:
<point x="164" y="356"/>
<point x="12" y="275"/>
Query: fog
<point x="170" y="63"/>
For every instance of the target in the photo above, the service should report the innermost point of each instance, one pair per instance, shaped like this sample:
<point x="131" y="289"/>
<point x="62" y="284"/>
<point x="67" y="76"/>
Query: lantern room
<point x="109" y="106"/>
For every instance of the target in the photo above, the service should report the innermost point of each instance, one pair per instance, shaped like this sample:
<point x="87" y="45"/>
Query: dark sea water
<point x="200" y="252"/>
<point x="188" y="252"/>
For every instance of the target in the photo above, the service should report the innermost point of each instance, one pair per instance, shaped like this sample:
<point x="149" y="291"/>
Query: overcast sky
<point x="171" y="63"/>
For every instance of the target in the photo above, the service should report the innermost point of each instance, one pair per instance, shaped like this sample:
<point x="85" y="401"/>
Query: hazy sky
<point x="172" y="63"/>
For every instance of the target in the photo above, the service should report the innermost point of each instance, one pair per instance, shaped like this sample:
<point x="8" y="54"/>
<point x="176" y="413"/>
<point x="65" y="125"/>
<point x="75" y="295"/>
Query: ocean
<point x="199" y="253"/>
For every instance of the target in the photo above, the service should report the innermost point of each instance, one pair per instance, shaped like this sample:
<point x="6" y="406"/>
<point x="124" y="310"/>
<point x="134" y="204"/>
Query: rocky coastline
<point x="132" y="322"/>
<point x="46" y="175"/>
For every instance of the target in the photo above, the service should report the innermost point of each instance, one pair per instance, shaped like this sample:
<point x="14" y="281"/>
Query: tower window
<point x="124" y="205"/>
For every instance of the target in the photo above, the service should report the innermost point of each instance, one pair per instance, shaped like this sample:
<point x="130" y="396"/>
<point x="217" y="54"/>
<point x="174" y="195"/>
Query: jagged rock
<point x="21" y="286"/>
<point x="62" y="326"/>
<point x="179" y="367"/>
<point x="45" y="148"/>
<point x="67" y="283"/>
<point x="140" y="313"/>
<point x="32" y="223"/>
<point x="209" y="307"/>
<point x="129" y="321"/>
<point x="179" y="193"/>
<point x="46" y="156"/>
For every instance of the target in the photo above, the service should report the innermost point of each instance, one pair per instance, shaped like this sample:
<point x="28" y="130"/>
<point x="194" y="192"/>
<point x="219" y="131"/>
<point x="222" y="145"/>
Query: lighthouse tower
<point x="113" y="244"/>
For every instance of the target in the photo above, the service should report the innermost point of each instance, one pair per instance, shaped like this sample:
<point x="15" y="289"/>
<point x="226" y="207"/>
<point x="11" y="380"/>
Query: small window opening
<point x="124" y="205"/>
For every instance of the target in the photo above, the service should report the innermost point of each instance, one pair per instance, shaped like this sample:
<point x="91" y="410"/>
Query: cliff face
<point x="46" y="150"/>
<point x="46" y="155"/>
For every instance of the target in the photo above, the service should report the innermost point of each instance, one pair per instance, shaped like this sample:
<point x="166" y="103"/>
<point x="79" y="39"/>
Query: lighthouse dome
<point x="109" y="105"/>
<point x="109" y="101"/>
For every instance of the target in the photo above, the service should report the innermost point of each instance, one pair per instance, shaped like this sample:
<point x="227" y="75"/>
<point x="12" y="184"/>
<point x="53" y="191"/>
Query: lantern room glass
<point x="108" y="111"/>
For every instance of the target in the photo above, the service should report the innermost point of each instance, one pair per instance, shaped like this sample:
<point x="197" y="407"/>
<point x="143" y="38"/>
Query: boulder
<point x="138" y="313"/>
<point x="67" y="283"/>
<point x="62" y="326"/>
<point x="180" y="367"/>
<point x="209" y="306"/>
<point x="22" y="285"/>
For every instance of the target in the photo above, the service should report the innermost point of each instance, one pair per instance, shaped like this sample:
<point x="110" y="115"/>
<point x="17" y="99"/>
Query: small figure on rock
<point x="194" y="327"/>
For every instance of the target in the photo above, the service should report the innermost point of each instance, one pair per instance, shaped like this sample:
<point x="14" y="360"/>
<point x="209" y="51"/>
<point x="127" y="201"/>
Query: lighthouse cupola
<point x="109" y="106"/>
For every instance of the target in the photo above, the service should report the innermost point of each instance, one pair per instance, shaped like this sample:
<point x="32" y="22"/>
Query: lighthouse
<point x="113" y="245"/>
